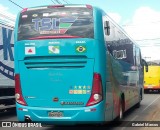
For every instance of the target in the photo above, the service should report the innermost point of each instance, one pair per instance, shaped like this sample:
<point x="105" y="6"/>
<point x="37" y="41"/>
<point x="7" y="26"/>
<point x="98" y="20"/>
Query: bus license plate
<point x="55" y="114"/>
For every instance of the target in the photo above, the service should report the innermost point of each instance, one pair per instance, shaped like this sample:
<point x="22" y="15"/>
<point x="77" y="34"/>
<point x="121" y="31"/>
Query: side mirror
<point x="107" y="28"/>
<point x="145" y="64"/>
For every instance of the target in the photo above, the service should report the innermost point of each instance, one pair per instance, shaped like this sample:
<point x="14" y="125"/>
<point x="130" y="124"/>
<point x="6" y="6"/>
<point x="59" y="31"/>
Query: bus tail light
<point x="96" y="95"/>
<point x="18" y="92"/>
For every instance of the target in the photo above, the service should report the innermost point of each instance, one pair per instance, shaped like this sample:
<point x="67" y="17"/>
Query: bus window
<point x="52" y="22"/>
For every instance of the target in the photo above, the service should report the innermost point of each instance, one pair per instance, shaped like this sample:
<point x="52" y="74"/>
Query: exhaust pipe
<point x="27" y="119"/>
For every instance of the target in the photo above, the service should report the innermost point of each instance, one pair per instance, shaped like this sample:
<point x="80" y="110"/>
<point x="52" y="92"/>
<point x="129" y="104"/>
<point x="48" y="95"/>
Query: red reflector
<point x="20" y="109"/>
<point x="93" y="109"/>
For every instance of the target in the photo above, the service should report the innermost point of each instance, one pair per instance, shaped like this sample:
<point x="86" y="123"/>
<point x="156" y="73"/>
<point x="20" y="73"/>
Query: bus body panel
<point x="126" y="73"/>
<point x="55" y="73"/>
<point x="79" y="115"/>
<point x="60" y="69"/>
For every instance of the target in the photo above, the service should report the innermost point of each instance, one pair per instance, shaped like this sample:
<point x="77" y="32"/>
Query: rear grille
<point x="48" y="62"/>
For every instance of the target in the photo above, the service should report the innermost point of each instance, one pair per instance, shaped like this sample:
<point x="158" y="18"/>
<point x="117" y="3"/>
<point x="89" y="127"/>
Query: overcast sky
<point x="140" y="18"/>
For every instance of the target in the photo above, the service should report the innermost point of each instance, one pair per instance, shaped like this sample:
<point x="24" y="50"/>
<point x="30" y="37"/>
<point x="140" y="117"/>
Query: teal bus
<point x="74" y="63"/>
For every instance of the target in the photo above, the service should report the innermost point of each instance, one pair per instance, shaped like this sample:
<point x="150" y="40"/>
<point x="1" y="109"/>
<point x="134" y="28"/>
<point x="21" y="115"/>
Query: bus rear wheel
<point x="121" y="110"/>
<point x="139" y="102"/>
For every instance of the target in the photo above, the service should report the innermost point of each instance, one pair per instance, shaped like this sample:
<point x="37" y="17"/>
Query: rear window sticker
<point x="45" y="14"/>
<point x="34" y="15"/>
<point x="24" y="16"/>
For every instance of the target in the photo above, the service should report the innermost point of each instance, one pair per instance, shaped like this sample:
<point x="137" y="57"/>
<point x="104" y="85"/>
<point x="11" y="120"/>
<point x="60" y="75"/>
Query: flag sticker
<point x="88" y="91"/>
<point x="30" y="50"/>
<point x="80" y="89"/>
<point x="75" y="92"/>
<point x="71" y="91"/>
<point x="84" y="91"/>
<point x="81" y="49"/>
<point x="53" y="49"/>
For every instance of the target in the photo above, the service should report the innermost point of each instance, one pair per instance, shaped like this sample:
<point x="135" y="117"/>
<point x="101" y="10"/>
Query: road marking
<point x="150" y="104"/>
<point x="123" y="128"/>
<point x="134" y="118"/>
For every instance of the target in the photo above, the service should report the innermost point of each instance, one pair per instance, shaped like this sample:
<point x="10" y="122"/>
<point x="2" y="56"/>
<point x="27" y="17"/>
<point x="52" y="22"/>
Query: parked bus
<point x="152" y="78"/>
<point x="74" y="63"/>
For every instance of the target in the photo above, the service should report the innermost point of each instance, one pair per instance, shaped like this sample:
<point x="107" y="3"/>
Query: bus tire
<point x="121" y="110"/>
<point x="139" y="102"/>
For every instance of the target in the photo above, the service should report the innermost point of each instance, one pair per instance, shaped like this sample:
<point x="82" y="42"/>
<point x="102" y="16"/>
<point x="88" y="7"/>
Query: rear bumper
<point x="81" y="115"/>
<point x="151" y="87"/>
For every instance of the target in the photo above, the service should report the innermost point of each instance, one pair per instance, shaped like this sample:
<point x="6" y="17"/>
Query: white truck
<point x="7" y="89"/>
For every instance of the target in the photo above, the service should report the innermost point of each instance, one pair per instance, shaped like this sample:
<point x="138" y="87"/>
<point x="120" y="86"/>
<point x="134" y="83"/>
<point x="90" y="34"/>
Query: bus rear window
<point x="50" y="22"/>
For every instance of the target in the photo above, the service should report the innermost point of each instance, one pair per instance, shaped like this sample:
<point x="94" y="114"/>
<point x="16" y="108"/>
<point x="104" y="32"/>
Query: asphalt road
<point x="149" y="111"/>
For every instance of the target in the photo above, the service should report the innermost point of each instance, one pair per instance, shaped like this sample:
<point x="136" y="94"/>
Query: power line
<point x="148" y="39"/>
<point x="68" y="2"/>
<point x="148" y="46"/>
<point x="153" y="22"/>
<point x="58" y="1"/>
<point x="16" y="4"/>
<point x="65" y="1"/>
<point x="53" y="1"/>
